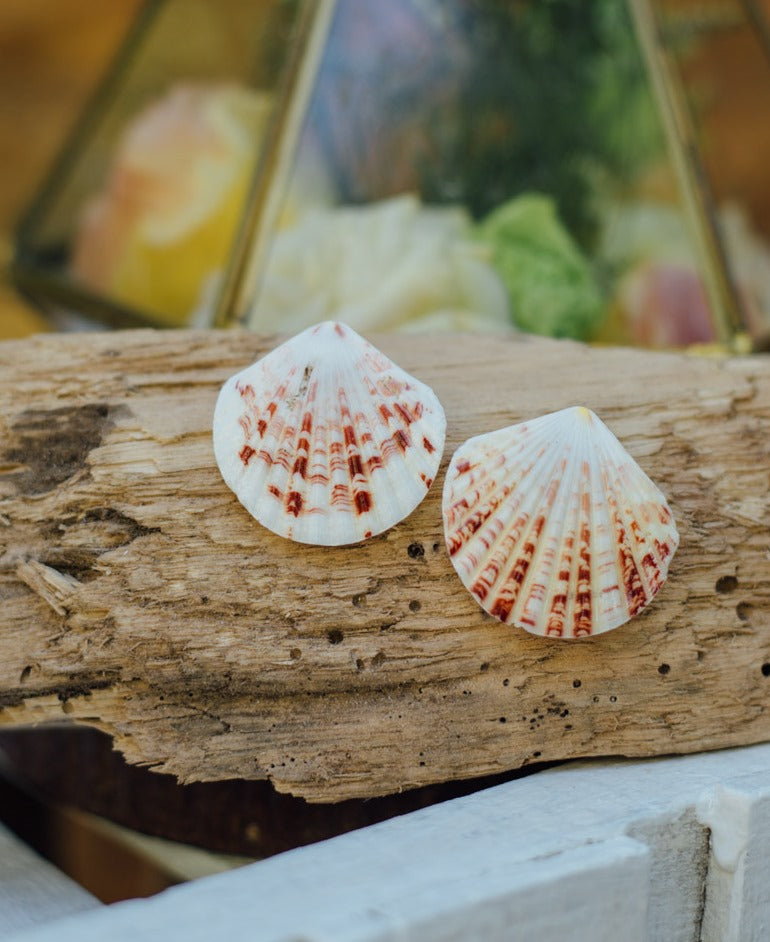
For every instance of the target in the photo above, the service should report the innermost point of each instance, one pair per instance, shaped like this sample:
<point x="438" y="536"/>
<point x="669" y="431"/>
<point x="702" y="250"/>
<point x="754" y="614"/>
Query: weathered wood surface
<point x="137" y="595"/>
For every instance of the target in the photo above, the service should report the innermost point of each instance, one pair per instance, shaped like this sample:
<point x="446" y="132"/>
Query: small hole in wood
<point x="334" y="636"/>
<point x="415" y="605"/>
<point x="766" y="670"/>
<point x="415" y="550"/>
<point x="359" y="600"/>
<point x="613" y="699"/>
<point x="664" y="669"/>
<point x="436" y="547"/>
<point x="576" y="683"/>
<point x="503" y="719"/>
<point x="295" y="654"/>
<point x="378" y="659"/>
<point x="25" y="673"/>
<point x="484" y="667"/>
<point x="360" y="664"/>
<point x="725" y="584"/>
<point x="506" y="682"/>
<point x="743" y="610"/>
<point x="536" y="755"/>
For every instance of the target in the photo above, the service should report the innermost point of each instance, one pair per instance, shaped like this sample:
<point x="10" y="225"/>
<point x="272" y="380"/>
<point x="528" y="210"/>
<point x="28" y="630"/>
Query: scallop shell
<point x="554" y="527"/>
<point x="327" y="441"/>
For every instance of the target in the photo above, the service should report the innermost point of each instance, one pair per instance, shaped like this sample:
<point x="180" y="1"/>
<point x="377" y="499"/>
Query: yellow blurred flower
<point x="173" y="198"/>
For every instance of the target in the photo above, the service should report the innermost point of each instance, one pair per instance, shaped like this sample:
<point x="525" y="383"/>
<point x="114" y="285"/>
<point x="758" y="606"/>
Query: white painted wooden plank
<point x="487" y="855"/>
<point x="457" y="900"/>
<point x="33" y="891"/>
<point x="737" y="899"/>
<point x="678" y="844"/>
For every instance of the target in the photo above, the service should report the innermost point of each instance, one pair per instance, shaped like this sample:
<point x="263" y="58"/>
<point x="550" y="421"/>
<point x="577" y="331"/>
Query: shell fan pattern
<point x="552" y="526"/>
<point x="325" y="440"/>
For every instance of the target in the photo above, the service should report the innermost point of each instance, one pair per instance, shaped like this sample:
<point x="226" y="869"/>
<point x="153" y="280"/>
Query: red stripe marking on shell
<point x="502" y="606"/>
<point x="294" y="503"/>
<point x="652" y="572"/>
<point x="404" y="413"/>
<point x="555" y="625"/>
<point x="635" y="594"/>
<point x="246" y="454"/>
<point x="246" y="392"/>
<point x="401" y="439"/>
<point x="363" y="502"/>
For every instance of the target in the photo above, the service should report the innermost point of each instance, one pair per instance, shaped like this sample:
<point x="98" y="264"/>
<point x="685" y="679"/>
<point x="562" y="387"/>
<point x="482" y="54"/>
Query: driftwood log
<point x="137" y="595"/>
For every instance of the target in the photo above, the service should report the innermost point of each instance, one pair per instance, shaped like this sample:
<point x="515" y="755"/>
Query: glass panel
<point x="722" y="57"/>
<point x="144" y="204"/>
<point x="484" y="165"/>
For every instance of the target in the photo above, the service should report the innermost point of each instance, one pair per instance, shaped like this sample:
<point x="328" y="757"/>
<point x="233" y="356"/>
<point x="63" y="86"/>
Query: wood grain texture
<point x="138" y="596"/>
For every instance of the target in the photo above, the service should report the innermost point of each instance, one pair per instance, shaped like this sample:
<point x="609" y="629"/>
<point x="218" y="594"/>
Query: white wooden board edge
<point x="33" y="891"/>
<point x="676" y="850"/>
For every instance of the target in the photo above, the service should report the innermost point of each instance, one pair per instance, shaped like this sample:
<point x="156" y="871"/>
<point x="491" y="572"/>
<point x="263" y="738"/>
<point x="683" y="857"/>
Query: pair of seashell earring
<point x="550" y="524"/>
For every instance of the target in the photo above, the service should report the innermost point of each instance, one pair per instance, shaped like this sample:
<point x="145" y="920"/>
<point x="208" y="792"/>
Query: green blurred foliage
<point x="550" y="284"/>
<point x="555" y="100"/>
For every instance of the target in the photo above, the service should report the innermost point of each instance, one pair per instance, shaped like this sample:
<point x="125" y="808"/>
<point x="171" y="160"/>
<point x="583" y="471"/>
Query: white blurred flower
<point x="389" y="265"/>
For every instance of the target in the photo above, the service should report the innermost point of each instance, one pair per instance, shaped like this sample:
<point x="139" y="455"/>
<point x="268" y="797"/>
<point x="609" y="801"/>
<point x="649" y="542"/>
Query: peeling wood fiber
<point x="138" y="596"/>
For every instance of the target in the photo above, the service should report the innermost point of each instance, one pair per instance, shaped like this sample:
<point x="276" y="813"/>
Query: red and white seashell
<point x="552" y="526"/>
<point x="325" y="440"/>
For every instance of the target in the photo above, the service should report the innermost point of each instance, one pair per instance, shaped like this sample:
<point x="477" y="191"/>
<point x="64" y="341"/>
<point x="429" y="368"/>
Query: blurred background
<point x="52" y="54"/>
<point x="596" y="173"/>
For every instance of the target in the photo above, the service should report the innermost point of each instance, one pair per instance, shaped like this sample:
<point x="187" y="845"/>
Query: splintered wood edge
<point x="139" y="597"/>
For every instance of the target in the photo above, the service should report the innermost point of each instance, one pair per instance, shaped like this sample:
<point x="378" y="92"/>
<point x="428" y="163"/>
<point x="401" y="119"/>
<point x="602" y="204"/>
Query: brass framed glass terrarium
<point x="419" y="164"/>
